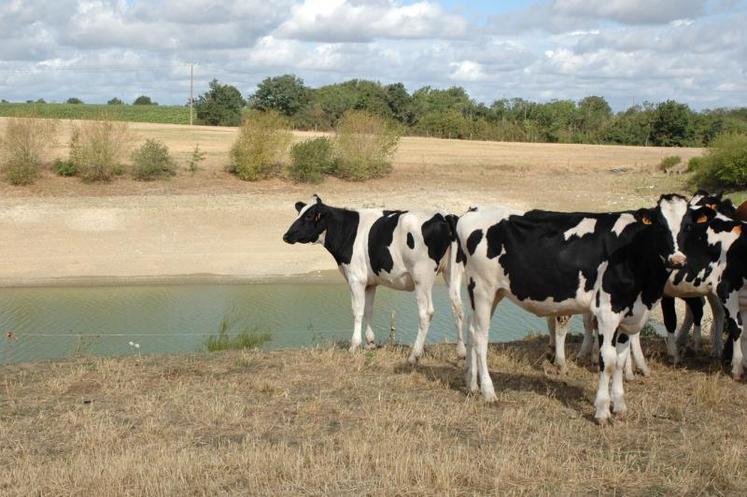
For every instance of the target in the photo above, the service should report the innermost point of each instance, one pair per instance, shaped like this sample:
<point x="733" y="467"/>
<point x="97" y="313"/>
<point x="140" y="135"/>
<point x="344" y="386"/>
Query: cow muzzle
<point x="677" y="261"/>
<point x="289" y="238"/>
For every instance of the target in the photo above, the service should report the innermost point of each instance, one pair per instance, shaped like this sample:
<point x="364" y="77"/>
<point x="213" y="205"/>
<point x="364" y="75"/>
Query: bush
<point x="193" y="164"/>
<point x="694" y="164"/>
<point x="261" y="144"/>
<point x="724" y="164"/>
<point x="23" y="147"/>
<point x="65" y="168"/>
<point x="74" y="100"/>
<point x="152" y="161"/>
<point x="311" y="160"/>
<point x="365" y="144"/>
<point x="143" y="100"/>
<point x="97" y="148"/>
<point x="670" y="161"/>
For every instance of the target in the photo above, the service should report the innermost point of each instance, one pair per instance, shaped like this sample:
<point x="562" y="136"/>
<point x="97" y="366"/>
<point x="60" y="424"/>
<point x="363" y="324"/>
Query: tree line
<point x="451" y="113"/>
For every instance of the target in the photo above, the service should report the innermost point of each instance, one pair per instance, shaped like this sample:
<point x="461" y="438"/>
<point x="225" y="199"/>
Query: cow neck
<point x="342" y="225"/>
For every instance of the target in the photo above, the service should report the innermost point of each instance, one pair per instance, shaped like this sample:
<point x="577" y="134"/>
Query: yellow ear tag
<point x="711" y="206"/>
<point x="646" y="220"/>
<point x="737" y="229"/>
<point x="702" y="219"/>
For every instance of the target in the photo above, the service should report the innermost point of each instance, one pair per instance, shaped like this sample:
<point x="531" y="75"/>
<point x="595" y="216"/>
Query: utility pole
<point x="191" y="90"/>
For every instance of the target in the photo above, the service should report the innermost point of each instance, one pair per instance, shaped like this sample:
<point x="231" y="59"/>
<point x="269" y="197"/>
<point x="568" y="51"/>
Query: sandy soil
<point x="212" y="224"/>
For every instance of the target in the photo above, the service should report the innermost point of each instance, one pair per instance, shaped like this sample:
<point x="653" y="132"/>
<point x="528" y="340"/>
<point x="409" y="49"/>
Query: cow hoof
<point x="461" y="351"/>
<point x="413" y="360"/>
<point x="603" y="421"/>
<point x="353" y="349"/>
<point x="490" y="398"/>
<point x="646" y="372"/>
<point x="620" y="415"/>
<point x="629" y="376"/>
<point x="371" y="346"/>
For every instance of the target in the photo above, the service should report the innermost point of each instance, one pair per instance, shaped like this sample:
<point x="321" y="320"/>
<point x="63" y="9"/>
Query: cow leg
<point x="670" y="322"/>
<point x="470" y="362"/>
<point x="485" y="301"/>
<point x="607" y="326"/>
<point x="687" y="322"/>
<point x="637" y="353"/>
<point x="622" y="351"/>
<point x="558" y="326"/>
<point x="358" y="298"/>
<point x="628" y="368"/>
<point x="368" y="314"/>
<point x="453" y="276"/>
<point x="587" y="344"/>
<point x="734" y="327"/>
<point x="424" y="297"/>
<point x="717" y="326"/>
<point x="697" y="310"/>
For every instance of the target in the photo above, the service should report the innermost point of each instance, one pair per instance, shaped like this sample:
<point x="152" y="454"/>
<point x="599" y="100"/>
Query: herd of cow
<point x="612" y="268"/>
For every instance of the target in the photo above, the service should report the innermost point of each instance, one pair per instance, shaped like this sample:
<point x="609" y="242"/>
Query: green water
<point x="53" y="323"/>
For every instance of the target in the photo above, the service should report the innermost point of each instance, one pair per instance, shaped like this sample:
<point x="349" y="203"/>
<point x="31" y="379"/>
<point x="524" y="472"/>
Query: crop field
<point x="165" y="114"/>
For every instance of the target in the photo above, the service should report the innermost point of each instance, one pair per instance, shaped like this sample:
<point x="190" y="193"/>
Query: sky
<point x="628" y="51"/>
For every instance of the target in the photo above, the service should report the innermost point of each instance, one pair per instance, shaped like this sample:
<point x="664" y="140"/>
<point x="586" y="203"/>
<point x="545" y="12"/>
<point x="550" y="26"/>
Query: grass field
<point x="164" y="114"/>
<point x="325" y="422"/>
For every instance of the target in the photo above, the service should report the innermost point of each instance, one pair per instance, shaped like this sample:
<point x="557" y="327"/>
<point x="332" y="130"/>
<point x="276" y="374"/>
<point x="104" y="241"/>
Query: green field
<point x="165" y="114"/>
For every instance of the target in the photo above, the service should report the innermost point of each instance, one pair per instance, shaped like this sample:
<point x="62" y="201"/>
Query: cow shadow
<point x="451" y="373"/>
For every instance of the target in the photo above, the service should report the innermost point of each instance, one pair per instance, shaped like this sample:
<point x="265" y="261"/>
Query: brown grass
<point x="324" y="422"/>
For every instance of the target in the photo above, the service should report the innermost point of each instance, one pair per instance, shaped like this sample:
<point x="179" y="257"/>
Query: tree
<point x="594" y="115"/>
<point x="286" y="94"/>
<point x="74" y="100"/>
<point x="220" y="106"/>
<point x="672" y="125"/>
<point x="144" y="100"/>
<point x="115" y="101"/>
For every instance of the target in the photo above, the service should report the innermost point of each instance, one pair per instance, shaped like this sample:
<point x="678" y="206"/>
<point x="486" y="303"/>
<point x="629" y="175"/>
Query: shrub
<point x="97" y="148"/>
<point x="74" y="100"/>
<point x="694" y="164"/>
<point x="23" y="147"/>
<point x="245" y="339"/>
<point x="152" y="161"/>
<point x="115" y="101"/>
<point x="670" y="161"/>
<point x="65" y="168"/>
<point x="193" y="164"/>
<point x="262" y="142"/>
<point x="724" y="164"/>
<point x="311" y="160"/>
<point x="365" y="144"/>
<point x="143" y="100"/>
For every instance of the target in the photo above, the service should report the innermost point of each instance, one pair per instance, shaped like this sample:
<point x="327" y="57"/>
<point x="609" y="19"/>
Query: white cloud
<point x="347" y="21"/>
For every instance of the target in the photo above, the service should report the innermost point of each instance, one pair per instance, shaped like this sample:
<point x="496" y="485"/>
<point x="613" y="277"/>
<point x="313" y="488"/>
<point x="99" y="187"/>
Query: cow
<point x="403" y="250"/>
<point x="612" y="265"/>
<point x="717" y="251"/>
<point x="694" y="295"/>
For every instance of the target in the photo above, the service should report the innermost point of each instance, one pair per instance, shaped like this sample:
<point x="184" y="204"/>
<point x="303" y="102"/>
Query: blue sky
<point x="625" y="50"/>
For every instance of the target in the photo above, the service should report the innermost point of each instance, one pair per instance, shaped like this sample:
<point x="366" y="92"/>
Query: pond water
<point x="53" y="323"/>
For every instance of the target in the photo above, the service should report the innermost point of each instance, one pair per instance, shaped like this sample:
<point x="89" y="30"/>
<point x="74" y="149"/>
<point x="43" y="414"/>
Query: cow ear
<point x="299" y="206"/>
<point x="317" y="198"/>
<point x="703" y="215"/>
<point x="644" y="216"/>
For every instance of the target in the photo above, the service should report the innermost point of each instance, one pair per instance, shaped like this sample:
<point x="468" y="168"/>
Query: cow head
<point x="311" y="223"/>
<point x="724" y="206"/>
<point x="671" y="223"/>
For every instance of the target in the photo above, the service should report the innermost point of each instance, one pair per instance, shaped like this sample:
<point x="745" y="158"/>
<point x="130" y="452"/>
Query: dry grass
<point x="324" y="422"/>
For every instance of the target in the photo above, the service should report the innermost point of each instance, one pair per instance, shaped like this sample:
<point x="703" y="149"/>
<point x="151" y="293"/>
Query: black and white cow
<point x="717" y="264"/>
<point x="403" y="250"/>
<point x="611" y="265"/>
<point x="694" y="295"/>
